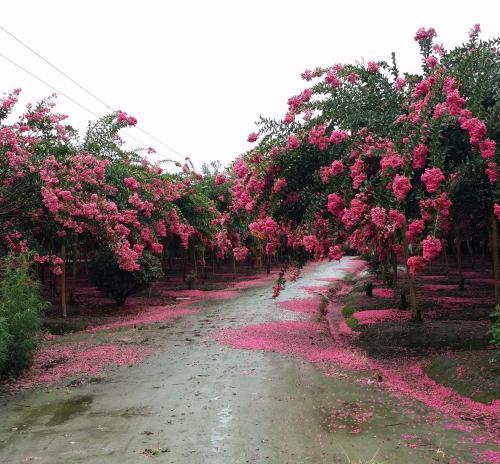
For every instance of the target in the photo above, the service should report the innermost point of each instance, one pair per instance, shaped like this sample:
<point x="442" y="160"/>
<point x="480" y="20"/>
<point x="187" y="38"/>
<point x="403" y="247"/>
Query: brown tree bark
<point x="74" y="272"/>
<point x="394" y="273"/>
<point x="494" y="251"/>
<point x="416" y="314"/>
<point x="63" y="281"/>
<point x="458" y="246"/>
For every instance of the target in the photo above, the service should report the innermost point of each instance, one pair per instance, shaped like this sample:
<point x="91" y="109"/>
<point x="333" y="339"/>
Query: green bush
<point x="20" y="309"/>
<point x="495" y="328"/>
<point x="348" y="311"/>
<point x="352" y="322"/>
<point x="119" y="284"/>
<point x="4" y="343"/>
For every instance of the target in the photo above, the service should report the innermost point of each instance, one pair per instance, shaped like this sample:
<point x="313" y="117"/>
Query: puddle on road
<point x="59" y="412"/>
<point x="225" y="416"/>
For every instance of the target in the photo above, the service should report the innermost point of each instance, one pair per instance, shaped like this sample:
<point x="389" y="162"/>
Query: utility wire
<point x="55" y="67"/>
<point x="93" y="95"/>
<point x="34" y="76"/>
<point x="47" y="84"/>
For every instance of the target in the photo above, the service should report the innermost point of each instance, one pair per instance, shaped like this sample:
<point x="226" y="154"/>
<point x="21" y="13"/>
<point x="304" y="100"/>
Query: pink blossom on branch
<point x="474" y="31"/>
<point x="401" y="186"/>
<point x="131" y="183"/>
<point x="415" y="228"/>
<point x="420" y="153"/>
<point x="372" y="66"/>
<point x="431" y="248"/>
<point x="335" y="252"/>
<point x="378" y="216"/>
<point x="252" y="137"/>
<point x="496" y="210"/>
<point x="415" y="264"/>
<point x="425" y="34"/>
<point x="240" y="253"/>
<point x="432" y="178"/>
<point x="335" y="204"/>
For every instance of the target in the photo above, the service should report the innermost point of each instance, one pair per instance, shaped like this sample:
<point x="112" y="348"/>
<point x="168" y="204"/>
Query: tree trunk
<point x="203" y="265"/>
<point x="394" y="273"/>
<point x="458" y="246"/>
<point x="445" y="257"/>
<point x="268" y="268"/>
<point x="234" y="267"/>
<point x="195" y="262"/>
<point x="416" y="314"/>
<point x="494" y="251"/>
<point x="471" y="253"/>
<point x="86" y="261"/>
<point x="63" y="281"/>
<point x="74" y="272"/>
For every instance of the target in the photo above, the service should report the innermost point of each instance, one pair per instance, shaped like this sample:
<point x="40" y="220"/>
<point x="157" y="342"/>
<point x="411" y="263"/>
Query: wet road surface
<point x="199" y="402"/>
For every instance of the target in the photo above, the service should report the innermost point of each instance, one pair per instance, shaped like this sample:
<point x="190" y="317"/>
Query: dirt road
<point x="197" y="401"/>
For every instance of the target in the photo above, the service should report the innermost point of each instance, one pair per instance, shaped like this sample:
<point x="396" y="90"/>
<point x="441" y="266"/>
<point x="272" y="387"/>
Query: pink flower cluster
<point x="240" y="253"/>
<point x="401" y="186"/>
<point x="335" y="204"/>
<point x="420" y="153"/>
<point x="425" y="34"/>
<point x="431" y="248"/>
<point x="432" y="178"/>
<point x="124" y="118"/>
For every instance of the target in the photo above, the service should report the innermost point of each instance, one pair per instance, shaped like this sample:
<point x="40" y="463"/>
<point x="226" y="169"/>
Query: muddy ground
<point x="198" y="401"/>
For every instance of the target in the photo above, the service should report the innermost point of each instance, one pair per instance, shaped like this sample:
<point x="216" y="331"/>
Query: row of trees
<point x="395" y="165"/>
<point x="62" y="196"/>
<point x="398" y="165"/>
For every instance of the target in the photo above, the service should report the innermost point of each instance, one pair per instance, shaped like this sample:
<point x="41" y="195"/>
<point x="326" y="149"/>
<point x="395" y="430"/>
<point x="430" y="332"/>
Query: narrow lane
<point x="199" y="402"/>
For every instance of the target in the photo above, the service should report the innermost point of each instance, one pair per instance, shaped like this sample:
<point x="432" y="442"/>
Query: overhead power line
<point x="71" y="99"/>
<point x="60" y="71"/>
<point x="47" y="84"/>
<point x="86" y="90"/>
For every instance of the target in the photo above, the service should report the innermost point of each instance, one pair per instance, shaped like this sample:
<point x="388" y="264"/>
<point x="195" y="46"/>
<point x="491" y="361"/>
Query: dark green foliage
<point x="352" y="322"/>
<point x="61" y="327"/>
<point x="119" y="284"/>
<point x="20" y="310"/>
<point x="348" y="311"/>
<point x="495" y="329"/>
<point x="369" y="289"/>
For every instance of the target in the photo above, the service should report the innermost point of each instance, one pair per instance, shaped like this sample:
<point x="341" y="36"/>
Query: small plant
<point x="495" y="328"/>
<point x="20" y="308"/>
<point x="369" y="289"/>
<point x="352" y="322"/>
<point x="119" y="284"/>
<point x="348" y="311"/>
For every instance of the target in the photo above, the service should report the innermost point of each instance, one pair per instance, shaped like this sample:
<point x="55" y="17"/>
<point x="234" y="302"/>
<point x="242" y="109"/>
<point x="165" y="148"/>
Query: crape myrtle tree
<point x="60" y="193"/>
<point x="381" y="162"/>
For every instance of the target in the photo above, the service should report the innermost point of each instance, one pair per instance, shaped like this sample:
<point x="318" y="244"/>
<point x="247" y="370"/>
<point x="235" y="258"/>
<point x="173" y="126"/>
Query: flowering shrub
<point x="119" y="284"/>
<point x="413" y="175"/>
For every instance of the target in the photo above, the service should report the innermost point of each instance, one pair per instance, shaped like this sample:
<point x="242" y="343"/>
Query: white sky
<point x="197" y="74"/>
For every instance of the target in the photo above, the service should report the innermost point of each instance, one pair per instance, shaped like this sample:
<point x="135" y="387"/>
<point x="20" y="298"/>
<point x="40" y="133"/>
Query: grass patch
<point x="61" y="327"/>
<point x="352" y="322"/>
<point x="470" y="373"/>
<point x="348" y="311"/>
